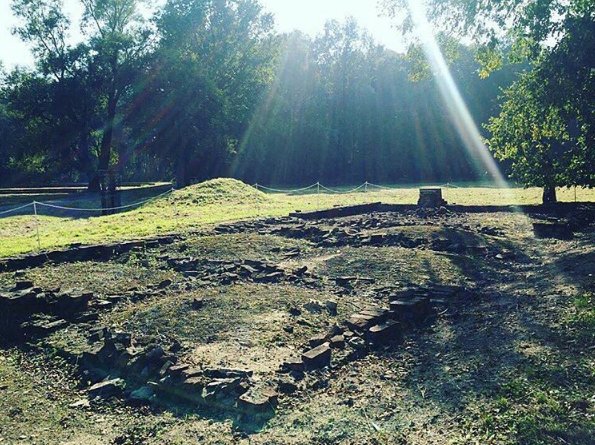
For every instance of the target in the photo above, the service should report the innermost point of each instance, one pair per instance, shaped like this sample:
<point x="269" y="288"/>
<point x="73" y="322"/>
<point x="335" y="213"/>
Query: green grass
<point x="389" y="265"/>
<point x="28" y="415"/>
<point x="530" y="409"/>
<point x="581" y="320"/>
<point x="218" y="201"/>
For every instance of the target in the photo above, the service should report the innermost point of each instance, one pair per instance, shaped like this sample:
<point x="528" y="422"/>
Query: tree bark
<point x="86" y="165"/>
<point x="105" y="149"/>
<point x="549" y="195"/>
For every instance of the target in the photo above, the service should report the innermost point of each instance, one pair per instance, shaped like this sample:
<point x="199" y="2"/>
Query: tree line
<point x="208" y="88"/>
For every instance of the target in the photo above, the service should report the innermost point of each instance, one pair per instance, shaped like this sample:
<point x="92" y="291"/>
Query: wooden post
<point x="36" y="225"/>
<point x="318" y="195"/>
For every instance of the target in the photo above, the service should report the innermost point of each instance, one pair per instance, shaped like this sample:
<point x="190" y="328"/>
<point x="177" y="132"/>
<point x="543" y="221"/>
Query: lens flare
<point x="455" y="104"/>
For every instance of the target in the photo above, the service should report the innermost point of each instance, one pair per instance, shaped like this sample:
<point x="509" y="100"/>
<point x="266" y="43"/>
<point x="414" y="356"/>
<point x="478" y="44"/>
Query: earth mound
<point x="220" y="190"/>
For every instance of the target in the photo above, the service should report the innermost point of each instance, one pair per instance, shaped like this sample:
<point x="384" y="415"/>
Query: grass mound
<point x="217" y="191"/>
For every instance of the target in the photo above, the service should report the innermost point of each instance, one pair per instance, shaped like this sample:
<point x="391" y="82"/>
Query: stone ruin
<point x="29" y="311"/>
<point x="557" y="230"/>
<point x="374" y="327"/>
<point x="431" y="198"/>
<point x="145" y="370"/>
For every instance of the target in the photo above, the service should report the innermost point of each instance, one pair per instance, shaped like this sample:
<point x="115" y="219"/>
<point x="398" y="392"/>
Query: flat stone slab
<point x="43" y="327"/>
<point x="318" y="357"/>
<point x="107" y="388"/>
<point x="412" y="310"/>
<point x="360" y="322"/>
<point x="367" y="318"/>
<point x="387" y="332"/>
<point x="258" y="401"/>
<point x="338" y="342"/>
<point x="293" y="364"/>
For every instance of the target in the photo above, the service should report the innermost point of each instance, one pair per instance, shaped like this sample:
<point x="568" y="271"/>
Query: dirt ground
<point x="508" y="358"/>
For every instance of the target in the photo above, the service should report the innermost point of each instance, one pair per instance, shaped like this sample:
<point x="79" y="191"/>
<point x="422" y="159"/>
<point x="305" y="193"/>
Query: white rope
<point x="381" y="186"/>
<point x="258" y="186"/>
<point x="16" y="209"/>
<point x="342" y="192"/>
<point x="101" y="210"/>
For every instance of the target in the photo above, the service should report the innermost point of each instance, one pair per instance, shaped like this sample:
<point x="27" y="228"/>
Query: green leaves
<point x="211" y="66"/>
<point x="546" y="121"/>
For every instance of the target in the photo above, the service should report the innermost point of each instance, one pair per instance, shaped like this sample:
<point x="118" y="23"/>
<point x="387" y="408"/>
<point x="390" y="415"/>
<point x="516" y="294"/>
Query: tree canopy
<point x="206" y="88"/>
<point x="544" y="131"/>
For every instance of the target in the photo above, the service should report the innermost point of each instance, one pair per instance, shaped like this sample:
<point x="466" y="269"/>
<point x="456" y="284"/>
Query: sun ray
<point x="455" y="104"/>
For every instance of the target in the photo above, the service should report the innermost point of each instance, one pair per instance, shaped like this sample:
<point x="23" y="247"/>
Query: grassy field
<point x="218" y="201"/>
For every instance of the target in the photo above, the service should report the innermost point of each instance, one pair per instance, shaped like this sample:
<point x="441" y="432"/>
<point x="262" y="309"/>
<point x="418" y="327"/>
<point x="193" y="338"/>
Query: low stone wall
<point x="561" y="209"/>
<point x="96" y="252"/>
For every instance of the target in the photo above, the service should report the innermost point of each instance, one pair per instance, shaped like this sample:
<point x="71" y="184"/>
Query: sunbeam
<point x="455" y="104"/>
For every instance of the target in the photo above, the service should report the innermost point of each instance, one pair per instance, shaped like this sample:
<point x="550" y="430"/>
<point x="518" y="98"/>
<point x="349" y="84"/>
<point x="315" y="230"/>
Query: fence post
<point x="36" y="225"/>
<point x="318" y="195"/>
<point x="176" y="213"/>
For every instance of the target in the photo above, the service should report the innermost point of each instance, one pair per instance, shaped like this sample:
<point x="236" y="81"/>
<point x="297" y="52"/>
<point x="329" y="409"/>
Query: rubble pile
<point x="409" y="309"/>
<point x="143" y="371"/>
<point x="228" y="272"/>
<point x="28" y="311"/>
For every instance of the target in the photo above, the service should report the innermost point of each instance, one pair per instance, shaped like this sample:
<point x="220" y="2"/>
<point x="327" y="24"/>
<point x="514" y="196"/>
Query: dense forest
<point x="207" y="88"/>
<point x="345" y="110"/>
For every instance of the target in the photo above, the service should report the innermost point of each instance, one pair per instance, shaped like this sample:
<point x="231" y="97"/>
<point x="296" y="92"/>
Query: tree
<point x="118" y="43"/>
<point x="86" y="83"/>
<point x="212" y="64"/>
<point x="209" y="89"/>
<point x="343" y="110"/>
<point x="53" y="101"/>
<point x="545" y="127"/>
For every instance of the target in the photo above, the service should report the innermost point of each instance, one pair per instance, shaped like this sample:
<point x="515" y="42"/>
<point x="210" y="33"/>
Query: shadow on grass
<point x="84" y="205"/>
<point x="509" y="357"/>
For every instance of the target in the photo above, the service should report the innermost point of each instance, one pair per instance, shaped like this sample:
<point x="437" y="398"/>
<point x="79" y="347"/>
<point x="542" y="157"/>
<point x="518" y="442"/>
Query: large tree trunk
<point x="549" y="195"/>
<point x="105" y="149"/>
<point x="86" y="165"/>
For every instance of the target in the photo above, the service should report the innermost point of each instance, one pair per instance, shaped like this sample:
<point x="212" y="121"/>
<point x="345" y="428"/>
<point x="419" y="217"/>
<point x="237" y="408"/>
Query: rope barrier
<point x="102" y="209"/>
<point x="319" y="187"/>
<point x="258" y="186"/>
<point x="16" y="209"/>
<point x="381" y="187"/>
<point x="338" y="192"/>
<point x="35" y="204"/>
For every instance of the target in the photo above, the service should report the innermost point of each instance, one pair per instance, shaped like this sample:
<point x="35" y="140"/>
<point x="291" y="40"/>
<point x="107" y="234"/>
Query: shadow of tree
<point x="507" y="358"/>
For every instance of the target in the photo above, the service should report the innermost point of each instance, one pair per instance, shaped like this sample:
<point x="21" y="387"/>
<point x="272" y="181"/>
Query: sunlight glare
<point x="455" y="104"/>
